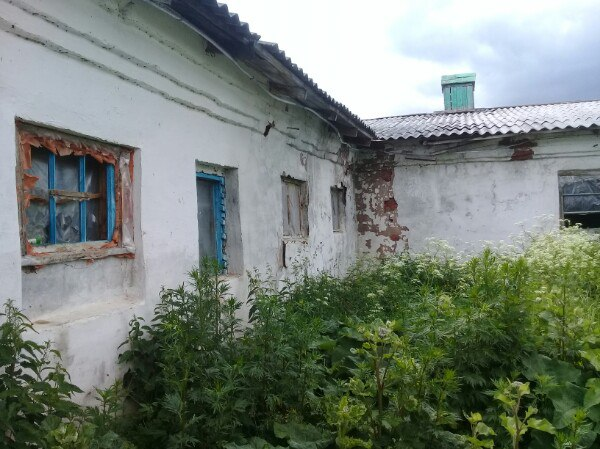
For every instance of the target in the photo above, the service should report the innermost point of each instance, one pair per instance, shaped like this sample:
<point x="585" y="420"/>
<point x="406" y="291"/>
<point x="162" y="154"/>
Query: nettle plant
<point x="36" y="396"/>
<point x="390" y="385"/>
<point x="516" y="419"/>
<point x="35" y="392"/>
<point x="183" y="380"/>
<point x="500" y="349"/>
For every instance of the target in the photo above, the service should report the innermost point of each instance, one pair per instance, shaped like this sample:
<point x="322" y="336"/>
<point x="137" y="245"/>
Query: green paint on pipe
<point x="458" y="91"/>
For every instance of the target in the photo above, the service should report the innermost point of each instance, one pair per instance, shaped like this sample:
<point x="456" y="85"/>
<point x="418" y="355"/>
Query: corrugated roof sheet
<point x="489" y="121"/>
<point x="216" y="20"/>
<point x="281" y="56"/>
<point x="242" y="28"/>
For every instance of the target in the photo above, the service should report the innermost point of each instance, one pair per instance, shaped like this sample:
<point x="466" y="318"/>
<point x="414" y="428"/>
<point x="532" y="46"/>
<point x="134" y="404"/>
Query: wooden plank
<point x="378" y="144"/>
<point x="84" y="253"/>
<point x="347" y="131"/>
<point x="287" y="90"/>
<point x="311" y="95"/>
<point x="224" y="33"/>
<point x="359" y="140"/>
<point x="79" y="196"/>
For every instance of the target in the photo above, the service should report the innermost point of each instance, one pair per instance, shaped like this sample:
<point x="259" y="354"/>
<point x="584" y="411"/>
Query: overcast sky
<point x="386" y="57"/>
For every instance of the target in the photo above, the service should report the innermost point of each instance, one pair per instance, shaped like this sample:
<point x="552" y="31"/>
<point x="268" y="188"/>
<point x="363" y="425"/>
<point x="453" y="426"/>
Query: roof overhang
<point x="285" y="80"/>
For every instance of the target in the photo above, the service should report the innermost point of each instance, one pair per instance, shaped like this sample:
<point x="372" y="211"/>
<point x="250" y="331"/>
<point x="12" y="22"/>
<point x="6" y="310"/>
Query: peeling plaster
<point x="377" y="215"/>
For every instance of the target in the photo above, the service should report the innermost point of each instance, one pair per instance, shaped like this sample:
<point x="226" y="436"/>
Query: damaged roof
<point x="285" y="79"/>
<point x="489" y="121"/>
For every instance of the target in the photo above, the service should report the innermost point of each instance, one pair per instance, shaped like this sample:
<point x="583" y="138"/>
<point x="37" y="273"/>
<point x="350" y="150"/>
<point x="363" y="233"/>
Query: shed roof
<point x="489" y="121"/>
<point x="286" y="79"/>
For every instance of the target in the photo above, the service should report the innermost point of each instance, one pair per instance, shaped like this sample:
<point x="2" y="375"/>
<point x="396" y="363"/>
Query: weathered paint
<point x="218" y="199"/>
<point x="82" y="204"/>
<point x="379" y="230"/>
<point x="52" y="199"/>
<point x="110" y="201"/>
<point x="135" y="77"/>
<point x="486" y="190"/>
<point x="458" y="91"/>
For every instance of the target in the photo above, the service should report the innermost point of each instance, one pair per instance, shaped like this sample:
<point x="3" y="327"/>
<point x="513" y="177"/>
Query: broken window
<point x="73" y="191"/>
<point x="210" y="194"/>
<point x="70" y="199"/>
<point x="338" y="208"/>
<point x="580" y="198"/>
<point x="295" y="208"/>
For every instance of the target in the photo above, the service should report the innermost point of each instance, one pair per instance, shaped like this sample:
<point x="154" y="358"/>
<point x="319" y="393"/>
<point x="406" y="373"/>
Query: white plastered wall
<point x="125" y="73"/>
<point x="475" y="193"/>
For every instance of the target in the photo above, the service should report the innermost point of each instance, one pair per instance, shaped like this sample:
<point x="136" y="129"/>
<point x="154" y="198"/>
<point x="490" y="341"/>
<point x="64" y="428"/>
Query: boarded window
<point x="295" y="208"/>
<point x="210" y="191"/>
<point x="338" y="208"/>
<point x="580" y="198"/>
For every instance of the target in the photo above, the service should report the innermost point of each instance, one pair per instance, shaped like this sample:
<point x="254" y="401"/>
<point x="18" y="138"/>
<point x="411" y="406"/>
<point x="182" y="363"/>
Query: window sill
<point x="69" y="253"/>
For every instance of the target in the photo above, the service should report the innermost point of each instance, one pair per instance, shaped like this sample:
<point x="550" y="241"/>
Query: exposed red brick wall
<point x="376" y="207"/>
<point x="522" y="154"/>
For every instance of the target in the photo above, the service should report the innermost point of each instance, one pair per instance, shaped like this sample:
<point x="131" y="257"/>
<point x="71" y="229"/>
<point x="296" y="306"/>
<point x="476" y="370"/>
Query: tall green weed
<point x="500" y="349"/>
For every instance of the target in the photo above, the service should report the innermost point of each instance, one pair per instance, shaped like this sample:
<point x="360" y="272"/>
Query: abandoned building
<point x="138" y="136"/>
<point x="470" y="175"/>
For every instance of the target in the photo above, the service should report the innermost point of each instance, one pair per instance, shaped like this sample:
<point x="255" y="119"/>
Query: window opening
<point x="580" y="198"/>
<point x="210" y="191"/>
<point x="295" y="208"/>
<point x="72" y="201"/>
<point x="338" y="208"/>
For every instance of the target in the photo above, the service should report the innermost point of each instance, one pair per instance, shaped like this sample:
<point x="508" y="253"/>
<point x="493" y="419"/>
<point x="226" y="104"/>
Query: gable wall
<point x="481" y="191"/>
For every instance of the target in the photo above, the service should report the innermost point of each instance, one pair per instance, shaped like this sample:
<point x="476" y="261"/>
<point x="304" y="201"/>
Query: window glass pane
<point x="96" y="220"/>
<point x="67" y="221"/>
<point x="67" y="173"/>
<point x="206" y="219"/>
<point x="38" y="212"/>
<point x="38" y="222"/>
<point x="583" y="203"/>
<point x="39" y="169"/>
<point x="580" y="194"/>
<point x="95" y="179"/>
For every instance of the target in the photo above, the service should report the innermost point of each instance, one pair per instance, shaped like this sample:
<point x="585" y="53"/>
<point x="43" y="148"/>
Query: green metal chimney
<point x="458" y="91"/>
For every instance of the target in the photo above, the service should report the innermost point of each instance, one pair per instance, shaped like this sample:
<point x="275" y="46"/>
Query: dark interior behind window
<point x="580" y="198"/>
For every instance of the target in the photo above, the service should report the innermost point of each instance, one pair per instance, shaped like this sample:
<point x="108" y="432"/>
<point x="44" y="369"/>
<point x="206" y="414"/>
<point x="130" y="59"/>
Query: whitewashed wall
<point x="475" y="193"/>
<point x="131" y="75"/>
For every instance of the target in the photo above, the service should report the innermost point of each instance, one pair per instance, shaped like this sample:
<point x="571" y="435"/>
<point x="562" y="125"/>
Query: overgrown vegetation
<point x="416" y="351"/>
<point x="36" y="407"/>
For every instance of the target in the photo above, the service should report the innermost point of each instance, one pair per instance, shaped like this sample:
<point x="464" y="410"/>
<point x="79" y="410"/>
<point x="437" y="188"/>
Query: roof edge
<point x="482" y="109"/>
<point x="213" y="19"/>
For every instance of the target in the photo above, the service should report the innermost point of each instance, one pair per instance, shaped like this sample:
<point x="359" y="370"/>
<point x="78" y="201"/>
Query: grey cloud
<point x="518" y="60"/>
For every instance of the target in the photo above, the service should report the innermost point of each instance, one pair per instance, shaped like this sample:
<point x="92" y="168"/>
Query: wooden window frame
<point x="219" y="213"/>
<point x="118" y="163"/>
<point x="303" y="211"/>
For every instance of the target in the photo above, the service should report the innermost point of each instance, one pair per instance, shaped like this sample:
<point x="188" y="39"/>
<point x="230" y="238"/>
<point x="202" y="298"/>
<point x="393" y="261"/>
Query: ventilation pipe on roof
<point x="458" y="91"/>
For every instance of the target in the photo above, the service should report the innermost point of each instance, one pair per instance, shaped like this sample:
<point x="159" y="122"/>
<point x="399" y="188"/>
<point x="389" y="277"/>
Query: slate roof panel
<point x="229" y="25"/>
<point x="489" y="121"/>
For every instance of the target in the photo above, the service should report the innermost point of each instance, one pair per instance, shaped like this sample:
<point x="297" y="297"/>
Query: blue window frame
<point x="73" y="200"/>
<point x="210" y="190"/>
